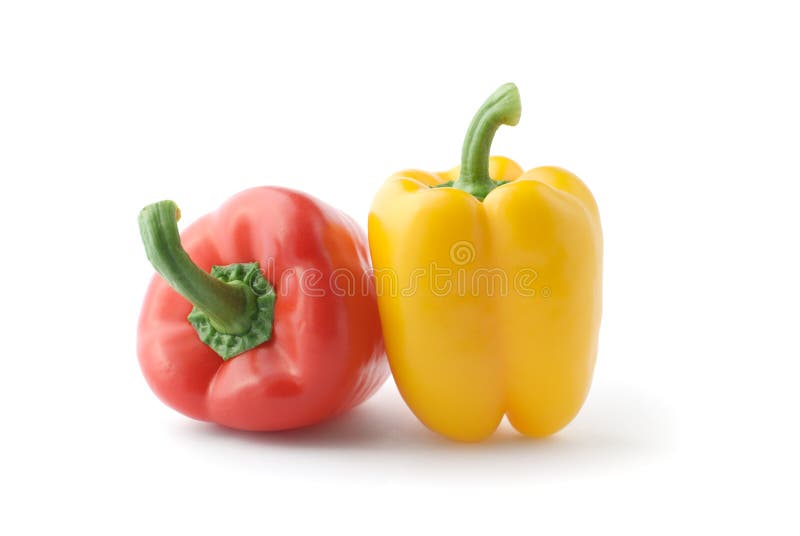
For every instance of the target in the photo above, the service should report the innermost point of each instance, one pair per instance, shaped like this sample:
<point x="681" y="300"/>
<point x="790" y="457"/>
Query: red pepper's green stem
<point x="229" y="306"/>
<point x="234" y="306"/>
<point x="503" y="107"/>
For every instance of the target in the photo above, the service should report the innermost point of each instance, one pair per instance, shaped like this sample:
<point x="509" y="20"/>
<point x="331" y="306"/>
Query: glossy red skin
<point x="326" y="352"/>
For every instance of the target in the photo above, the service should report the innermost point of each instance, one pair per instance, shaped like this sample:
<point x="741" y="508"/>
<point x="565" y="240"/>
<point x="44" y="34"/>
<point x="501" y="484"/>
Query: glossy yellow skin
<point x="465" y="355"/>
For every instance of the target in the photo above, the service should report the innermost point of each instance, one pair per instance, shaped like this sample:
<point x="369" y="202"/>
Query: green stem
<point x="503" y="107"/>
<point x="229" y="306"/>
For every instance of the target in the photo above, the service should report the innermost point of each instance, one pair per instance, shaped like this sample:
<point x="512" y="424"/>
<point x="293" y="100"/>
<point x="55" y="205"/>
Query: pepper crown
<point x="233" y="306"/>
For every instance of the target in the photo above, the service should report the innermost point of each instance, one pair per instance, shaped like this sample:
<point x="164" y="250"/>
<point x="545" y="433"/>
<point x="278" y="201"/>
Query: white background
<point x="681" y="116"/>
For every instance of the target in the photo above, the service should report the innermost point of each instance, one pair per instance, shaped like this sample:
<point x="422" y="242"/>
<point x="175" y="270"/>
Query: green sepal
<point x="449" y="184"/>
<point x="260" y="298"/>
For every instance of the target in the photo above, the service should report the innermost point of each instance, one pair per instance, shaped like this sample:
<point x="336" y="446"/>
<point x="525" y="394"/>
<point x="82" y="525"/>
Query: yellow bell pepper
<point x="489" y="291"/>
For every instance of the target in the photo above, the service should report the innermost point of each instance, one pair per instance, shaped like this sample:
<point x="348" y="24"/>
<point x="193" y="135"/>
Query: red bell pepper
<point x="283" y="333"/>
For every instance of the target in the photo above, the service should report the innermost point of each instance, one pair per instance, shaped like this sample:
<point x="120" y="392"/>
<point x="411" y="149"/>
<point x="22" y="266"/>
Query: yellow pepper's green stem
<point x="503" y="107"/>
